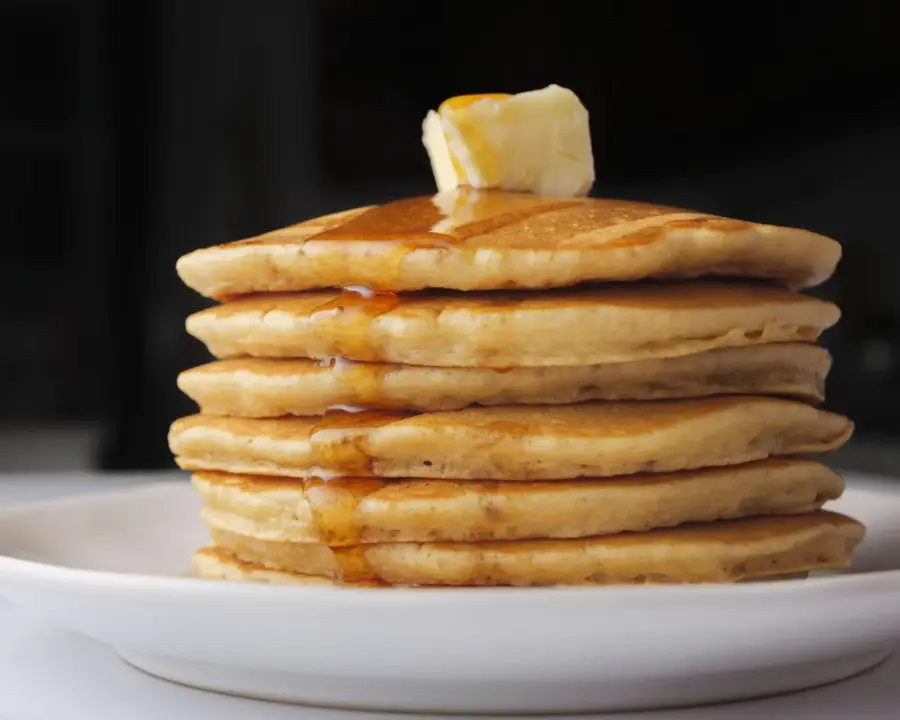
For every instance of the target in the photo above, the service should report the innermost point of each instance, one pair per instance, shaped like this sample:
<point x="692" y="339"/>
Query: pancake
<point x="213" y="563"/>
<point x="483" y="240"/>
<point x="621" y="323"/>
<point x="724" y="551"/>
<point x="511" y="442"/>
<point x="258" y="387"/>
<point x="354" y="511"/>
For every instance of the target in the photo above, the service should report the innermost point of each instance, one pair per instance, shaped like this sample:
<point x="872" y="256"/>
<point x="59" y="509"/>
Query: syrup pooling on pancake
<point x="379" y="238"/>
<point x="449" y="219"/>
<point x="444" y="220"/>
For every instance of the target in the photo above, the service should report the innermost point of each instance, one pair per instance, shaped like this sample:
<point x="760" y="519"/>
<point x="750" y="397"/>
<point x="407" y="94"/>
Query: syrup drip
<point x="352" y="565"/>
<point x="334" y="505"/>
<point x="339" y="440"/>
<point x="361" y="384"/>
<point x="365" y="383"/>
<point x="350" y="322"/>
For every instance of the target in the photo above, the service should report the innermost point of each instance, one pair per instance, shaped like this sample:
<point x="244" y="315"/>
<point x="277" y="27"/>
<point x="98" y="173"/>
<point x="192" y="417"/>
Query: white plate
<point x="108" y="566"/>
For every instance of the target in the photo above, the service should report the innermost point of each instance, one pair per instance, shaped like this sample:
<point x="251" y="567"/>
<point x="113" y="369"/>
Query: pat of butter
<point x="537" y="141"/>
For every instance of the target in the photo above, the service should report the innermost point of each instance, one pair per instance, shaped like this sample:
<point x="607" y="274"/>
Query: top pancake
<point x="488" y="240"/>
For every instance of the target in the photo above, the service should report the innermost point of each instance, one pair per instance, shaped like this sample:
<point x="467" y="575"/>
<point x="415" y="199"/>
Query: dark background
<point x="133" y="132"/>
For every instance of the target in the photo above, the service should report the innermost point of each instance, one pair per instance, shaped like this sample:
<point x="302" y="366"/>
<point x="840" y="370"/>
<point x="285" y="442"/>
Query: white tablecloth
<point x="48" y="672"/>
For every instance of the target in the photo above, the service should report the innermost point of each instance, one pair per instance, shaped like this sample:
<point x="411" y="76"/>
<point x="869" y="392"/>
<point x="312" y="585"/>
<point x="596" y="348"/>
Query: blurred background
<point x="133" y="132"/>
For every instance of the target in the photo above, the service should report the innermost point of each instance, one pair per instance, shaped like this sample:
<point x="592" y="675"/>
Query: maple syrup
<point x="339" y="441"/>
<point x="334" y="504"/>
<point x="371" y="303"/>
<point x="382" y="236"/>
<point x="350" y="323"/>
<point x="352" y="566"/>
<point x="364" y="382"/>
<point x="360" y="382"/>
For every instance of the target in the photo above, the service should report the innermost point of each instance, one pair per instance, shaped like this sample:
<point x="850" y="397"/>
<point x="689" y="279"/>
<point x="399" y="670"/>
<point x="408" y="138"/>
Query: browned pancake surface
<point x="469" y="239"/>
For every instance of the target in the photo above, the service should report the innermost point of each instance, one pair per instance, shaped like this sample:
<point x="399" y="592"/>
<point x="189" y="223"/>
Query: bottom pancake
<point x="213" y="563"/>
<point x="725" y="551"/>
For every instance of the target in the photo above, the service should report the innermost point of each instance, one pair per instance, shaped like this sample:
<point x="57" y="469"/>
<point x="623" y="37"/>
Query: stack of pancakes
<point x="514" y="390"/>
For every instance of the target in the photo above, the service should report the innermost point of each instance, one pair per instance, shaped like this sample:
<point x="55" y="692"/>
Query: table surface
<point x="49" y="672"/>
